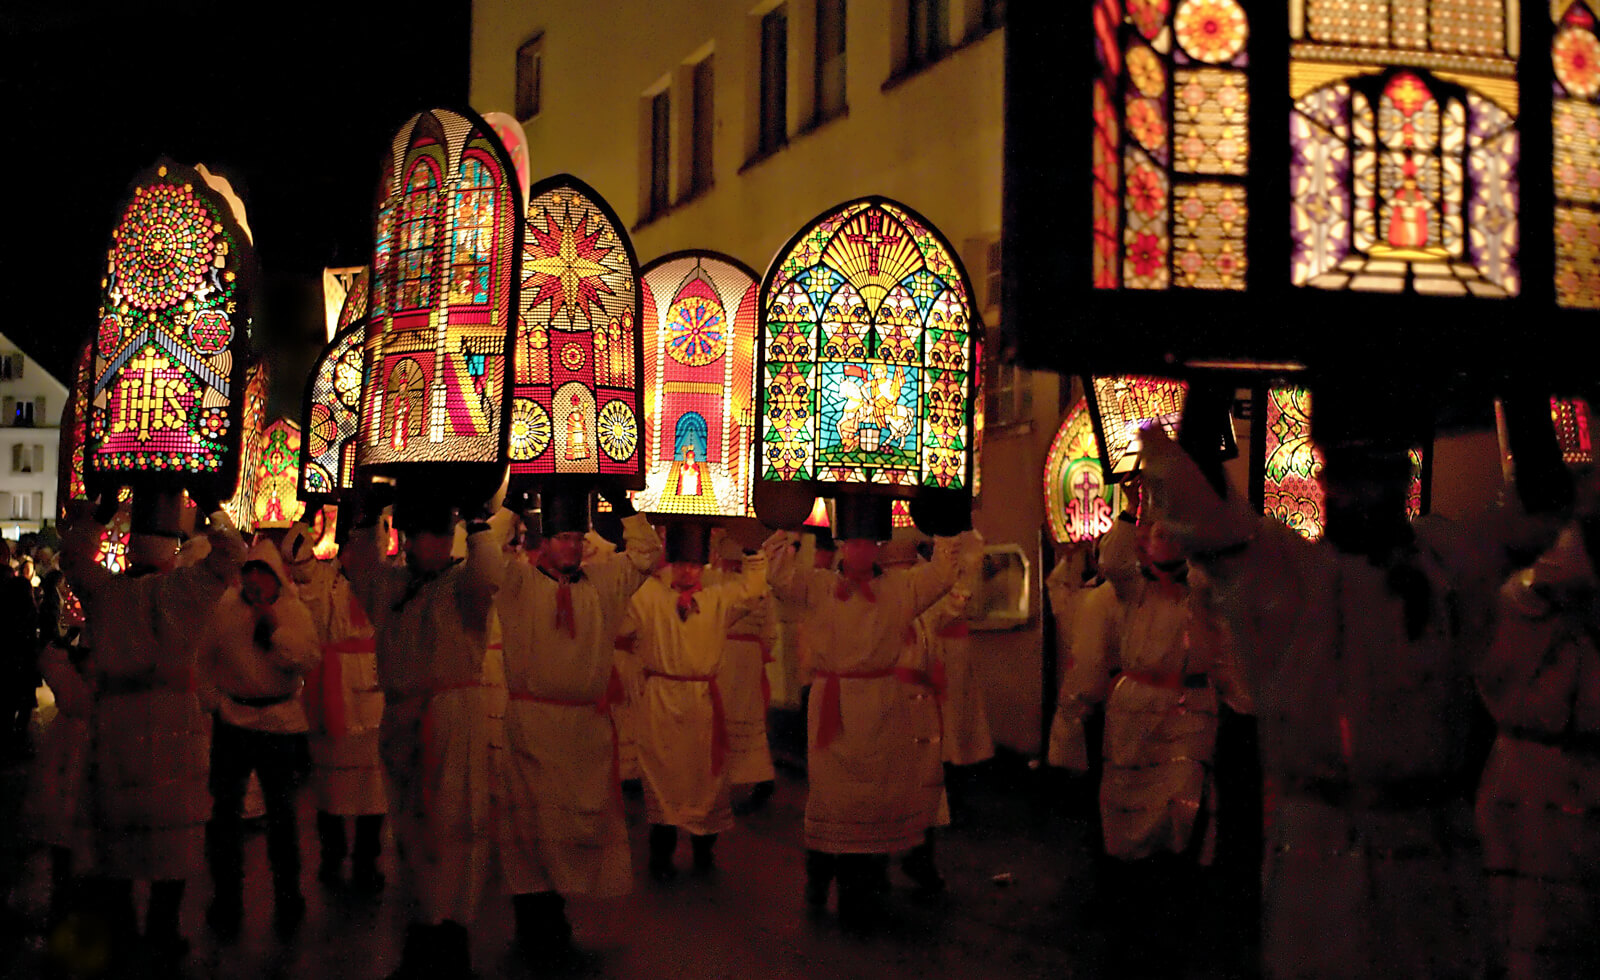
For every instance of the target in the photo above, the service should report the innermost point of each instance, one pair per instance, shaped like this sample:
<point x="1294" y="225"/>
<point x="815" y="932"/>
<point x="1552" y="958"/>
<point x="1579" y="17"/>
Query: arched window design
<point x="419" y="225"/>
<point x="866" y="354"/>
<point x="332" y="416"/>
<point x="383" y="243"/>
<point x="472" y="234"/>
<point x="699" y="310"/>
<point x="1404" y="147"/>
<point x="170" y="345"/>
<point x="450" y="287"/>
<point x="576" y="399"/>
<point x="1079" y="504"/>
<point x="1575" y="60"/>
<point x="1171" y="144"/>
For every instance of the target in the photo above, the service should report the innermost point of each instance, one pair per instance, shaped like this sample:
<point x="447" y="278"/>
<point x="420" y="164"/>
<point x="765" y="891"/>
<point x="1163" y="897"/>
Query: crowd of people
<point x="489" y="689"/>
<point x="473" y="695"/>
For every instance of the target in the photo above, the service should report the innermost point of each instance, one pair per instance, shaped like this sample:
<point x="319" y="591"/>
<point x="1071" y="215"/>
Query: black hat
<point x="689" y="541"/>
<point x="866" y="517"/>
<point x="563" y="510"/>
<point x="418" y="513"/>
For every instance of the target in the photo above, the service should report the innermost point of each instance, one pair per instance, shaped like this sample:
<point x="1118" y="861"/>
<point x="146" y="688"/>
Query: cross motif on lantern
<point x="1087" y="486"/>
<point x="874" y="239"/>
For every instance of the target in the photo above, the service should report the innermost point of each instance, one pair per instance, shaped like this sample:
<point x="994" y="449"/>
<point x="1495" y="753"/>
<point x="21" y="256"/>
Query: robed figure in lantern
<point x="866" y="370"/>
<point x="435" y="401"/>
<point x="162" y="418"/>
<point x="575" y="428"/>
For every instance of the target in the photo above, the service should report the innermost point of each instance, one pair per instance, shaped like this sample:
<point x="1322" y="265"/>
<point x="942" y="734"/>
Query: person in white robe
<point x="152" y="740"/>
<point x="431" y="621"/>
<point x="680" y="627"/>
<point x="865" y="801"/>
<point x="1539" y="802"/>
<point x="562" y="832"/>
<point x="344" y="707"/>
<point x="745" y="685"/>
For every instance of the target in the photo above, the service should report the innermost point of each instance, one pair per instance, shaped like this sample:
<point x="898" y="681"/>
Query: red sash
<point x="830" y="720"/>
<point x="719" y="721"/>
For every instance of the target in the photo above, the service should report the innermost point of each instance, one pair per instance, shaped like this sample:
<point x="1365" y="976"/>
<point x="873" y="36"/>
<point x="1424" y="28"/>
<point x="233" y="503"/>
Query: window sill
<point x="762" y="155"/>
<point x="821" y="121"/>
<point x="657" y="215"/>
<point x="913" y="69"/>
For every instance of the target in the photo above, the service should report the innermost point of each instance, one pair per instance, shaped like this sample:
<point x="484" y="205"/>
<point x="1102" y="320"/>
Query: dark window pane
<point x="703" y="125"/>
<point x="530" y="68"/>
<point x="830" y="73"/>
<point x="660" y="155"/>
<point x="774" y="78"/>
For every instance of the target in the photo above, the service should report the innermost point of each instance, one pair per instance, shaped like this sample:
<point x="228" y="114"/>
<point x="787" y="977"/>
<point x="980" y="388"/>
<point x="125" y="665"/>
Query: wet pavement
<point x="1020" y="903"/>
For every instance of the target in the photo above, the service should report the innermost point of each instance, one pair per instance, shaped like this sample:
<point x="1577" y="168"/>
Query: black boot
<point x="919" y="866"/>
<point x="860" y="903"/>
<point x="543" y="931"/>
<point x="162" y="935"/>
<point x="418" y="959"/>
<point x="819" y="877"/>
<point x="330" y="833"/>
<point x="454" y="947"/>
<point x="364" y="874"/>
<point x="663" y="841"/>
<point x="703" y="846"/>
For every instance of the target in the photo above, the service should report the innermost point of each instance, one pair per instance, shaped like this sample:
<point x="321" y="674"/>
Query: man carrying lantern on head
<point x="1360" y="650"/>
<point x="345" y="707"/>
<point x="746" y="692"/>
<point x="152" y="742"/>
<point x="562" y="832"/>
<point x="680" y="624"/>
<point x="865" y="802"/>
<point x="431" y="622"/>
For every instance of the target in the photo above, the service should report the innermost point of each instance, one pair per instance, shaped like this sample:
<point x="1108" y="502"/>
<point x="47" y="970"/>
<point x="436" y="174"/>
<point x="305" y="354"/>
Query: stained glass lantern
<point x="1122" y="405"/>
<point x="1573" y="421"/>
<point x="867" y="362"/>
<point x="1079" y="504"/>
<point x="277" y="476"/>
<point x="1288" y="463"/>
<point x="577" y="399"/>
<point x="332" y="417"/>
<point x="699" y="311"/>
<point x="240" y="506"/>
<point x="172" y="341"/>
<point x="74" y="433"/>
<point x="439" y="304"/>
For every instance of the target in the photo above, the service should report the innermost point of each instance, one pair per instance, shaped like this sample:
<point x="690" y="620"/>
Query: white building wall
<point x="28" y="453"/>
<point x="930" y="139"/>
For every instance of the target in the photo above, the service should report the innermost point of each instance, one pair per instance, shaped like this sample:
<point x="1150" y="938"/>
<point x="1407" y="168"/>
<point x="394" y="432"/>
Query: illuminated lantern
<point x="344" y="294"/>
<point x="1573" y="423"/>
<point x="277" y="476"/>
<point x="867" y="359"/>
<point x="240" y="507"/>
<point x="577" y="398"/>
<point x="440" y="299"/>
<point x="74" y="433"/>
<point x="171" y="347"/>
<point x="1288" y="463"/>
<point x="900" y="515"/>
<point x="331" y="418"/>
<point x="1079" y="503"/>
<point x="1122" y="405"/>
<point x="699" y="311"/>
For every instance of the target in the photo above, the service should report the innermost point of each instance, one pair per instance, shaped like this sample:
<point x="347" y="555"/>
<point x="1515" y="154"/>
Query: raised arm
<point x="929" y="582"/>
<point x="485" y="568"/>
<point x="294" y="644"/>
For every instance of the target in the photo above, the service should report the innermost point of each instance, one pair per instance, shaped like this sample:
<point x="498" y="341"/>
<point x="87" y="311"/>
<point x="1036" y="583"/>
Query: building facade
<point x="30" y="436"/>
<point x="728" y="124"/>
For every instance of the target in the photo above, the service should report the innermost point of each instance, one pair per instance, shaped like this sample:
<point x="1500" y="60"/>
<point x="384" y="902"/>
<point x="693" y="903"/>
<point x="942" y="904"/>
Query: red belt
<point x="956" y="630"/>
<point x="719" y="721"/>
<point x="1170" y="680"/>
<point x="830" y="721"/>
<point x="602" y="706"/>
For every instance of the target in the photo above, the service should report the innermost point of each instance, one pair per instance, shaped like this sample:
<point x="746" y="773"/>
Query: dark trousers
<point x="235" y="754"/>
<point x="335" y="843"/>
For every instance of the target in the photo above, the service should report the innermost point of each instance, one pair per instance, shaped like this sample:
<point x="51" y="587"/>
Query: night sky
<point x="293" y="103"/>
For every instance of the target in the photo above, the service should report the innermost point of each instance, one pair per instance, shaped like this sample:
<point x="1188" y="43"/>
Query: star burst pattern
<point x="565" y="260"/>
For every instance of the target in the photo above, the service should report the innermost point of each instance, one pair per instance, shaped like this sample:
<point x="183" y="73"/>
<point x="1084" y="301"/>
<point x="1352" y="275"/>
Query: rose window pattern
<point x="619" y="431"/>
<point x="696" y="327"/>
<point x="867" y="360"/>
<point x="530" y="429"/>
<point x="332" y="421"/>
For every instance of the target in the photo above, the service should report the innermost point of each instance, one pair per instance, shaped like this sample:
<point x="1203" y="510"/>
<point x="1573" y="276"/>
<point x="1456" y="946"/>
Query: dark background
<point x="293" y="103"/>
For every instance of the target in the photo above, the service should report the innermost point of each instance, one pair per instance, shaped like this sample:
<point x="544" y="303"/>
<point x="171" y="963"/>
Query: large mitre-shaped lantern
<point x="440" y="298"/>
<point x="699" y="311"/>
<point x="1079" y="503"/>
<point x="577" y="405"/>
<point x="867" y="363"/>
<point x="163" y="409"/>
<point x="331" y="414"/>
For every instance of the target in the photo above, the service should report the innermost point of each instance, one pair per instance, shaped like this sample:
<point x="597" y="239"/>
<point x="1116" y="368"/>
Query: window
<point x="1012" y="401"/>
<point x="992" y="14"/>
<point x="473" y="235"/>
<point x="927" y="31"/>
<point x="660" y="152"/>
<point x="24" y="413"/>
<point x="11" y="366"/>
<point x="20" y="458"/>
<point x="702" y="126"/>
<point x="530" y="71"/>
<point x="774" y="79"/>
<point x="830" y="71"/>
